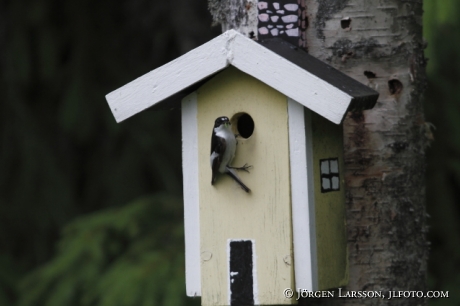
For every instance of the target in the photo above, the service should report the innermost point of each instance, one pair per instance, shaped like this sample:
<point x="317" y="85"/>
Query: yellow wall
<point x="226" y="211"/>
<point x="330" y="207"/>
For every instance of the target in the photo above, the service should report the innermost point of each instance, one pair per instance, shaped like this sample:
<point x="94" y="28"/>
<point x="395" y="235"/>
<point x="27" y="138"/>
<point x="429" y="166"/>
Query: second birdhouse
<point x="246" y="248"/>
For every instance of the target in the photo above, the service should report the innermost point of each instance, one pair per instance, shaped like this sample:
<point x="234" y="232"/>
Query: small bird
<point x="223" y="147"/>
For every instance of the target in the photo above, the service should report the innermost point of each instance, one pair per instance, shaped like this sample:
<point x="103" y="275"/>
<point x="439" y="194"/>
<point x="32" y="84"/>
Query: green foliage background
<point x="442" y="107"/>
<point x="90" y="210"/>
<point x="131" y="255"/>
<point x="82" y="221"/>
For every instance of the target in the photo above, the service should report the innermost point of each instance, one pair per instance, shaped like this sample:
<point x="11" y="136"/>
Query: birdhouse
<point x="245" y="247"/>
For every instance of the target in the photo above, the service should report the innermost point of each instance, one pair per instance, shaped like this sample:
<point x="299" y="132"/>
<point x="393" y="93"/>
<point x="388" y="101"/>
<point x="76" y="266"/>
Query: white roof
<point x="232" y="48"/>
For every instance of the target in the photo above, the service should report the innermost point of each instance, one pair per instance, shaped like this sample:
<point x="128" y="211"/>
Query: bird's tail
<point x="233" y="175"/>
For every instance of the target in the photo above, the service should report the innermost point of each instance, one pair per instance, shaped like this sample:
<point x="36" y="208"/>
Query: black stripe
<point x="241" y="278"/>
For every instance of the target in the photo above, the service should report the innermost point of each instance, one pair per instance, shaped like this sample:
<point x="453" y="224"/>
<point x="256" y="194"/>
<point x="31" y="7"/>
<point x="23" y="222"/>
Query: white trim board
<point x="230" y="48"/>
<point x="191" y="196"/>
<point x="302" y="197"/>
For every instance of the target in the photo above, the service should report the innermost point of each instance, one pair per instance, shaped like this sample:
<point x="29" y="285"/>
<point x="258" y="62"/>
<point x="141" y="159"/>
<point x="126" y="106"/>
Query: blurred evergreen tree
<point x="62" y="155"/>
<point x="441" y="26"/>
<point x="132" y="255"/>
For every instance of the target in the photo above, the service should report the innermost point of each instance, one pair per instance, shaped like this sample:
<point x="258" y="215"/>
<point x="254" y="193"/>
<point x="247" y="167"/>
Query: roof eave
<point x="278" y="64"/>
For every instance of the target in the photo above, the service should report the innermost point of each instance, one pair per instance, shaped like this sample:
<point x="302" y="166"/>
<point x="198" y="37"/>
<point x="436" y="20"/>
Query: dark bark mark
<point x="395" y="86"/>
<point x="327" y="8"/>
<point x="303" y="25"/>
<point x="345" y="23"/>
<point x="370" y="74"/>
<point x="232" y="12"/>
<point x="357" y="117"/>
<point x="398" y="146"/>
<point x="364" y="47"/>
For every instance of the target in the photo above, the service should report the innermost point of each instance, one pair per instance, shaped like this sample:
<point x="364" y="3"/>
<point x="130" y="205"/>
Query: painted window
<point x="330" y="179"/>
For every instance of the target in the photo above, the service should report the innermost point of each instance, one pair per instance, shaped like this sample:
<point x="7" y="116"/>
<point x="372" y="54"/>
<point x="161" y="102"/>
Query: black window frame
<point x="329" y="175"/>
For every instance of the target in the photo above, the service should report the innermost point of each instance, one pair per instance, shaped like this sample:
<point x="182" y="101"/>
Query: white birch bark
<point x="378" y="42"/>
<point x="240" y="15"/>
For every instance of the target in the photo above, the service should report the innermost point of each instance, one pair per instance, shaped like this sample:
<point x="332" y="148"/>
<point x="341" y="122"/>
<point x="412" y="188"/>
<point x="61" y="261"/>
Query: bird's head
<point x="222" y="121"/>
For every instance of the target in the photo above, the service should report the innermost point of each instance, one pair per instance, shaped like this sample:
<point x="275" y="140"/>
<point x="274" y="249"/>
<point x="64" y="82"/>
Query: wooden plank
<point x="169" y="79"/>
<point x="290" y="79"/>
<point x="330" y="206"/>
<point x="191" y="195"/>
<point x="227" y="211"/>
<point x="302" y="197"/>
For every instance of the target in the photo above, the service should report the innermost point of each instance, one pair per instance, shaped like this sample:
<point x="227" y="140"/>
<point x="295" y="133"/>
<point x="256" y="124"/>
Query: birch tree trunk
<point x="379" y="43"/>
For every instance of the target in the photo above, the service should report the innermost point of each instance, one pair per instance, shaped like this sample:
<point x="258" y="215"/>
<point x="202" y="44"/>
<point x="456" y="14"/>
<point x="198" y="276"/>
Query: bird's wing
<point x="218" y="146"/>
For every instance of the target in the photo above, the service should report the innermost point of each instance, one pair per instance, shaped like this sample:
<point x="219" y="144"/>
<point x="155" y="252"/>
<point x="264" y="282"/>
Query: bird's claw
<point x="243" y="168"/>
